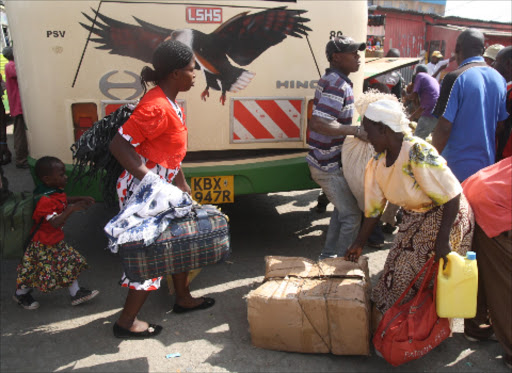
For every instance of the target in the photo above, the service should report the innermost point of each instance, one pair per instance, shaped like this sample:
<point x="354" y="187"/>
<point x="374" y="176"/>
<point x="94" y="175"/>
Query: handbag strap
<point x="426" y="267"/>
<point x="414" y="306"/>
<point x="203" y="223"/>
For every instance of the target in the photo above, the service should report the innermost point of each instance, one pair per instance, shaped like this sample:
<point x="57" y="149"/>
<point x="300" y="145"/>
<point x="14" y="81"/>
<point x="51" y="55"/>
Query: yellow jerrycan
<point x="457" y="286"/>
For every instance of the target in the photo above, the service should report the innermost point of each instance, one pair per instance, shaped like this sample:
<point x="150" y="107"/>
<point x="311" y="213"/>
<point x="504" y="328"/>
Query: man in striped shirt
<point x="333" y="109"/>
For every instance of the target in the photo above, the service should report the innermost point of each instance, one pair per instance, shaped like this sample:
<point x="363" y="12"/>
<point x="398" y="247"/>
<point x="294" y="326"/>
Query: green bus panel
<point x="250" y="178"/>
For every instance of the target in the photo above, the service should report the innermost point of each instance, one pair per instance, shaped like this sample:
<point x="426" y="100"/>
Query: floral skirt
<point x="49" y="267"/>
<point x="413" y="247"/>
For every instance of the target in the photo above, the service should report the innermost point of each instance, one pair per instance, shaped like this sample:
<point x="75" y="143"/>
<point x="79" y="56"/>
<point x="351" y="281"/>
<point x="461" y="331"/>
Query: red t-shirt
<point x="155" y="125"/>
<point x="46" y="208"/>
<point x="489" y="193"/>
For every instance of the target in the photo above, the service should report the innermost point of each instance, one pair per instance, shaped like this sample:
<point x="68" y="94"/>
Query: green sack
<point x="15" y="224"/>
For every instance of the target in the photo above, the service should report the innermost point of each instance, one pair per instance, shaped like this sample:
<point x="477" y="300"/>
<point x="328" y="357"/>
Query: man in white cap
<point x="491" y="53"/>
<point x="437" y="64"/>
<point x="331" y="121"/>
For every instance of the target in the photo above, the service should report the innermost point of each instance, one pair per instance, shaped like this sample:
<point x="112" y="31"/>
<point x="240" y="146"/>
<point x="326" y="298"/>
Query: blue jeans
<point x="346" y="217"/>
<point x="425" y="126"/>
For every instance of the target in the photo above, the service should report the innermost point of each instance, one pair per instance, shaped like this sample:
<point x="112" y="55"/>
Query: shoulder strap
<point x="447" y="86"/>
<point x="32" y="234"/>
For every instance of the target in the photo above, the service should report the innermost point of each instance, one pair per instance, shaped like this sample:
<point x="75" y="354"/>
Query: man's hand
<point x="442" y="67"/>
<point x="361" y="134"/>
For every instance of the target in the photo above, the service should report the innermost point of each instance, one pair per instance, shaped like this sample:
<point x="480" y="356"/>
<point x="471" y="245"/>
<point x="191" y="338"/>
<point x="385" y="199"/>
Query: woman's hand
<point x="442" y="250"/>
<point x="181" y="182"/>
<point x="356" y="249"/>
<point x="183" y="185"/>
<point x="442" y="245"/>
<point x="354" y="252"/>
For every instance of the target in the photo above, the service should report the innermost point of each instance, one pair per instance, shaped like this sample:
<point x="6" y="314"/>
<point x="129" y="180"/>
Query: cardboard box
<point x="304" y="306"/>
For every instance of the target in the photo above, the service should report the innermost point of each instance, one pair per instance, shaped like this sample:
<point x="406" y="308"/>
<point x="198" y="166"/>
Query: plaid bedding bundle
<point x="188" y="243"/>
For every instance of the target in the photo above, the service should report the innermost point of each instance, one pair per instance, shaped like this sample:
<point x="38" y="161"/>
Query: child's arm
<point x="88" y="199"/>
<point x="59" y="220"/>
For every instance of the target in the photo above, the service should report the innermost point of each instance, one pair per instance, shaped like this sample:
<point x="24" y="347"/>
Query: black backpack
<point x="92" y="159"/>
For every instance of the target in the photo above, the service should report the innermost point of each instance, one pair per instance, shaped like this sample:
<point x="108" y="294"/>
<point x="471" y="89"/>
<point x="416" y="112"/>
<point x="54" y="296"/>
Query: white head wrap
<point x="390" y="113"/>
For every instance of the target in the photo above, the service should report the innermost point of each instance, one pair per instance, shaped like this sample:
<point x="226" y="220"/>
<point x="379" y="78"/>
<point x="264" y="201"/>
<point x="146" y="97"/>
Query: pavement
<point x="58" y="337"/>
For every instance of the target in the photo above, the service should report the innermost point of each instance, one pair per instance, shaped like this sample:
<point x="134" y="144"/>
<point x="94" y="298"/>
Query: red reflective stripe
<point x="279" y="117"/>
<point x="235" y="136"/>
<point x="250" y="123"/>
<point x="111" y="108"/>
<point x="297" y="104"/>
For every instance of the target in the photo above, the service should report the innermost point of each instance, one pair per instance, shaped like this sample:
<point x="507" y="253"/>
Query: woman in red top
<point x="48" y="262"/>
<point x="154" y="139"/>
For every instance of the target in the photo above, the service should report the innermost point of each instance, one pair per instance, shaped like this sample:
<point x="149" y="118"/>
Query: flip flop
<point x="207" y="303"/>
<point x="152" y="331"/>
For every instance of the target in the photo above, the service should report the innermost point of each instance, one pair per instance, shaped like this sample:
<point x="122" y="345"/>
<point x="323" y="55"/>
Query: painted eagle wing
<point x="249" y="35"/>
<point x="124" y="39"/>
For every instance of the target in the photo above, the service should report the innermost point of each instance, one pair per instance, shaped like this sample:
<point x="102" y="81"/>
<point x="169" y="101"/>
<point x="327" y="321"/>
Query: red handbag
<point x="411" y="330"/>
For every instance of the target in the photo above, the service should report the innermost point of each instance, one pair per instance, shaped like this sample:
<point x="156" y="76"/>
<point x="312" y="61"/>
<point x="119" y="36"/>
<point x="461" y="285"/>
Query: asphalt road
<point x="59" y="337"/>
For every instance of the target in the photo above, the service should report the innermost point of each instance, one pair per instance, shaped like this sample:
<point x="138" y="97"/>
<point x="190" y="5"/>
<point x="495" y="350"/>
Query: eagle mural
<point x="243" y="38"/>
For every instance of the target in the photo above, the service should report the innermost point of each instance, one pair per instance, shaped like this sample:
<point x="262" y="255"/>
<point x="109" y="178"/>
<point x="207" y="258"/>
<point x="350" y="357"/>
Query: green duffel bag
<point x="15" y="224"/>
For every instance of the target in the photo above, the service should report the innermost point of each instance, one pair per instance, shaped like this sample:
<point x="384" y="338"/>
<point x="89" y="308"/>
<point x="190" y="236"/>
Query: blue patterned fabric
<point x="148" y="212"/>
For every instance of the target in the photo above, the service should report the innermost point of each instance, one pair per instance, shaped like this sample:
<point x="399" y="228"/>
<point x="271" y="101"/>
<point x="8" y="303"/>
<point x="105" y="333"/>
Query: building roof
<point x="484" y="31"/>
<point x="437" y="18"/>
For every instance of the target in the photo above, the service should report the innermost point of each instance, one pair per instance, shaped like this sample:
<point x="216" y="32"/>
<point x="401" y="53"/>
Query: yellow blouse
<point x="418" y="180"/>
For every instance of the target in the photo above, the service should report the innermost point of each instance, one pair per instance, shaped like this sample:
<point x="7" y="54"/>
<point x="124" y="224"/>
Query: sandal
<point x="207" y="303"/>
<point x="152" y="331"/>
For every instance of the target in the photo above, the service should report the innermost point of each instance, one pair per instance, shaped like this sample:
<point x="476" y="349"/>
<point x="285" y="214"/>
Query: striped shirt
<point x="334" y="100"/>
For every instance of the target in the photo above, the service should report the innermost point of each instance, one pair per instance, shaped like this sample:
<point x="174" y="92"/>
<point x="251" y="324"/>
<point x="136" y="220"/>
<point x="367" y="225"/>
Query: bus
<point x="258" y="65"/>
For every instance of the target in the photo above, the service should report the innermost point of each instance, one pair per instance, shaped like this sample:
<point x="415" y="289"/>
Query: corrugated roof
<point x="374" y="67"/>
<point x="433" y="15"/>
<point x="484" y="31"/>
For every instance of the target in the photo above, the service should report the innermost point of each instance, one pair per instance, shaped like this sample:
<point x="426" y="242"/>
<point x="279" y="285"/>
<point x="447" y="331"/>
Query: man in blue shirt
<point x="333" y="109"/>
<point x="471" y="102"/>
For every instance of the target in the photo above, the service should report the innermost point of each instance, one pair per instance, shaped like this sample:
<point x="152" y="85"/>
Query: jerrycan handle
<point x="448" y="270"/>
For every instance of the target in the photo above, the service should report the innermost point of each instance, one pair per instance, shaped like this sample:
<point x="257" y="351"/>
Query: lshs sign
<point x="204" y="15"/>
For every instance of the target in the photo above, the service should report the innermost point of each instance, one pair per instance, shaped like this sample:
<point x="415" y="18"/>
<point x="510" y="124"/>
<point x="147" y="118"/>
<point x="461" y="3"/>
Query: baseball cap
<point x="342" y="44"/>
<point x="492" y="51"/>
<point x="437" y="54"/>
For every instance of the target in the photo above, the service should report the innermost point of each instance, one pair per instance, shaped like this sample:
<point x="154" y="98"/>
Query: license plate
<point x="213" y="189"/>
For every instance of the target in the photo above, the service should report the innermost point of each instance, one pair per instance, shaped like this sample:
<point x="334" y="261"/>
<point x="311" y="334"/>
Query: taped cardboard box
<point x="304" y="306"/>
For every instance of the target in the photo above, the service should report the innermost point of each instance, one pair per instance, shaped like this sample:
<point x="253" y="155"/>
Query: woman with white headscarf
<point x="409" y="172"/>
